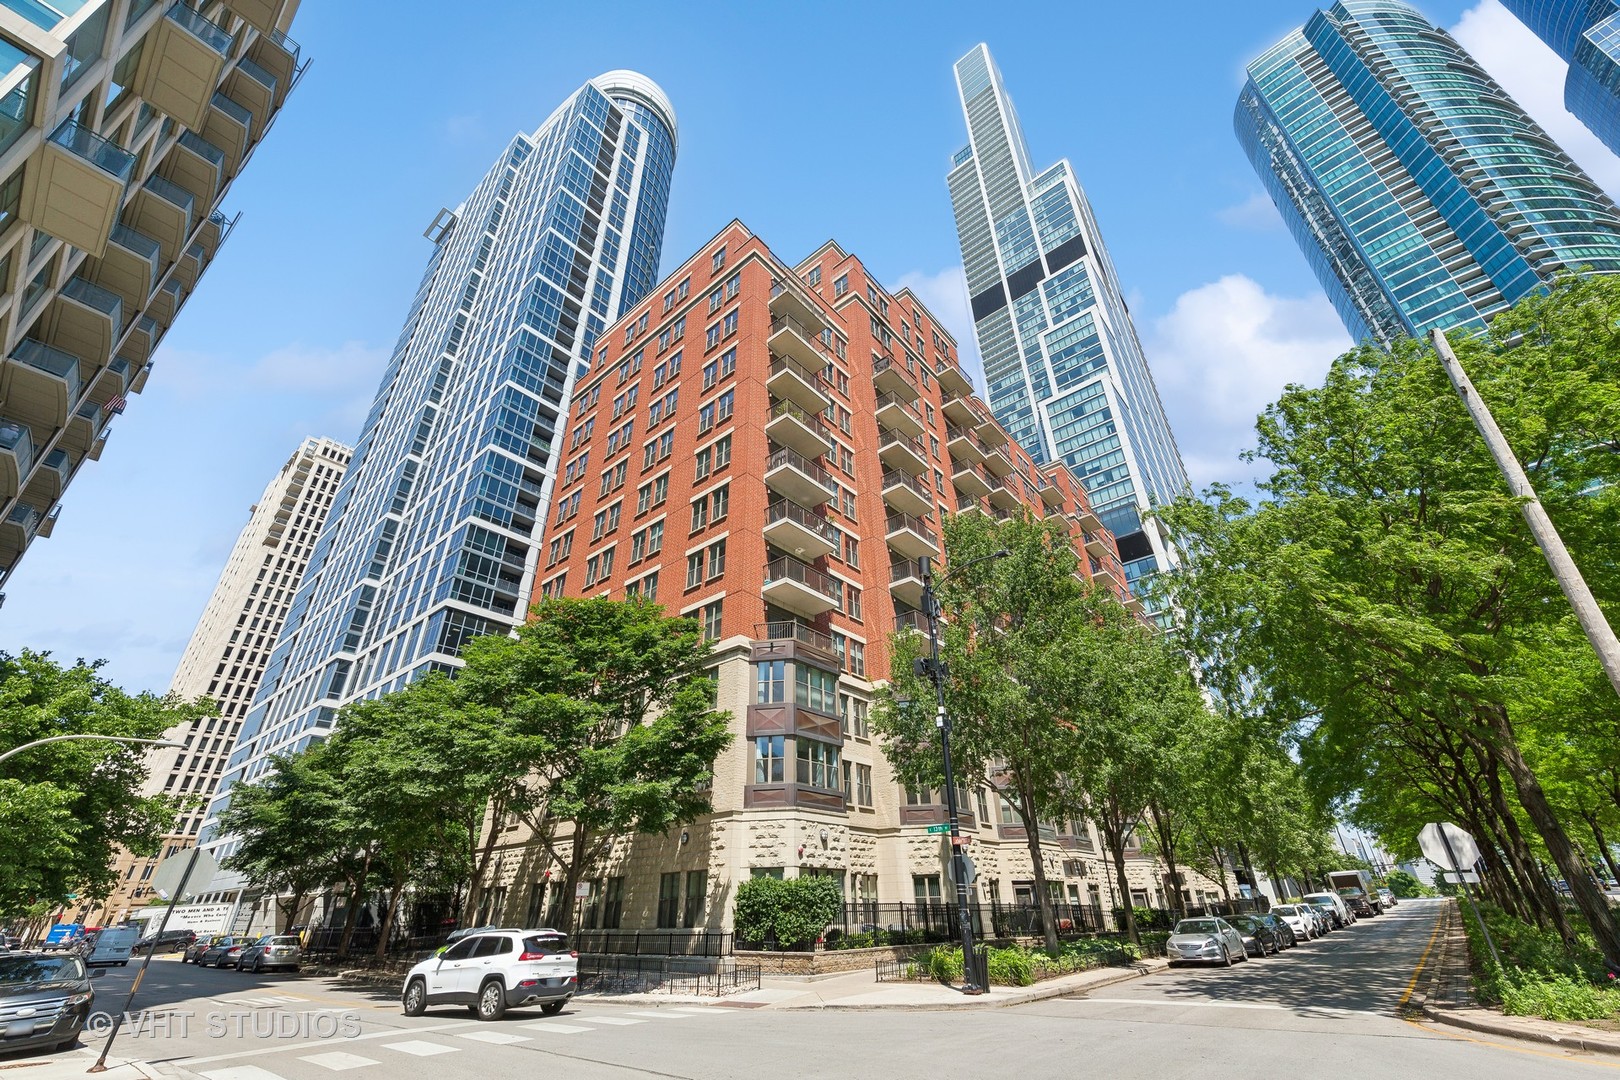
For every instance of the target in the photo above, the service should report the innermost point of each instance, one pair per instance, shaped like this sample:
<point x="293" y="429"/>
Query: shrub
<point x="944" y="964"/>
<point x="1558" y="997"/>
<point x="786" y="913"/>
<point x="1011" y="967"/>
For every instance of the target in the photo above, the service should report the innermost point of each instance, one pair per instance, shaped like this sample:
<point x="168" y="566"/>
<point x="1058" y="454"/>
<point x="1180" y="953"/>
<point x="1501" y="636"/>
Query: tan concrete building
<point x="808" y="431"/>
<point x="123" y="124"/>
<point x="228" y="650"/>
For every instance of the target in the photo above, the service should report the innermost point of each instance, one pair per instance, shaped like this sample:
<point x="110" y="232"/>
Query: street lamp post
<point x="935" y="672"/>
<point x="105" y="738"/>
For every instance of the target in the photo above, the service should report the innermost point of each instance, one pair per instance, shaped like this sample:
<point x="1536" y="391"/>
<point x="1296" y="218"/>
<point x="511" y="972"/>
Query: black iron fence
<point x="875" y="925"/>
<point x="623" y="974"/>
<point x="655" y="942"/>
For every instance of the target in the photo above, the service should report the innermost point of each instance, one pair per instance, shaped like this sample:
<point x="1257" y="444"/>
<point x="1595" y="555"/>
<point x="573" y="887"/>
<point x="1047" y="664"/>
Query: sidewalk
<point x="860" y="990"/>
<point x="77" y="1063"/>
<point x="1446" y="998"/>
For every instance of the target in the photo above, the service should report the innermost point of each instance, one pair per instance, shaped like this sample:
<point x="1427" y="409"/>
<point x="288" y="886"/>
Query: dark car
<point x="168" y="941"/>
<point x="1259" y="939"/>
<point x="1279" y="926"/>
<point x="223" y="952"/>
<point x="194" y="951"/>
<point x="1357" y="901"/>
<point x="44" y="1000"/>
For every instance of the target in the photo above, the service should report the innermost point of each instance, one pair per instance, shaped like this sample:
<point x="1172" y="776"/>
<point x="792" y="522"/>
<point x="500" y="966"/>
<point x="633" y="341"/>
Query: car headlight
<point x="75" y="1000"/>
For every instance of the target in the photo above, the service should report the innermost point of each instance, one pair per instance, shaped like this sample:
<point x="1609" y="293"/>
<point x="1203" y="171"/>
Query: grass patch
<point x="1540" y="976"/>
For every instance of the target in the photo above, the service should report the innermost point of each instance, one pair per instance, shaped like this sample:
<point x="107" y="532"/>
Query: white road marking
<point x="241" y="1072"/>
<point x="704" y="1011"/>
<point x="558" y="1029"/>
<point x="419" y="1048"/>
<point x="385" y="1033"/>
<point x="1266" y="1006"/>
<point x="618" y="1021"/>
<point x="499" y="1038"/>
<point x="661" y="1014"/>
<point x="338" y="1061"/>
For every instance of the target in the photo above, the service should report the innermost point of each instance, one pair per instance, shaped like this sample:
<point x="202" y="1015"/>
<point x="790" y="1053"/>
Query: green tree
<point x="66" y="808"/>
<point x="607" y="722"/>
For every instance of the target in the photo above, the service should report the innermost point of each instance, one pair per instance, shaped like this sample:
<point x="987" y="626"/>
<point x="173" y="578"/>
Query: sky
<point x="807" y="122"/>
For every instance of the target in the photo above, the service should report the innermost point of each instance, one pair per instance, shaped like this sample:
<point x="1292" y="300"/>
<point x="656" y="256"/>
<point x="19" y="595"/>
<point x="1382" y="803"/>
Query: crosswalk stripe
<point x="618" y="1021"/>
<point x="338" y="1061"/>
<point x="558" y="1029"/>
<point x="420" y="1048"/>
<point x="662" y="1014"/>
<point x="499" y="1038"/>
<point x="705" y="1011"/>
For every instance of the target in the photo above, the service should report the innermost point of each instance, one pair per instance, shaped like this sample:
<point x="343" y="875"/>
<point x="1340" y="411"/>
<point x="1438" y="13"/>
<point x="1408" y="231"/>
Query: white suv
<point x="495" y="970"/>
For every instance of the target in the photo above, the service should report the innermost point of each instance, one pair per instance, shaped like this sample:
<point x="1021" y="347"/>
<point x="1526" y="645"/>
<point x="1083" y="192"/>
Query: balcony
<point x="960" y="411"/>
<point x="84" y="320"/>
<point x="890" y="378"/>
<point x="910" y="620"/>
<point x="228" y="126"/>
<point x="113" y="380"/>
<point x="969" y="507"/>
<point x="196" y="165"/>
<point x="791" y="528"/>
<point x="1051" y="494"/>
<point x="142" y="373"/>
<point x="1089" y="521"/>
<point x="793" y="300"/>
<point x="990" y="432"/>
<point x="50" y="479"/>
<point x="1134" y="605"/>
<point x="793" y="476"/>
<point x="253" y="88"/>
<point x="181" y="61"/>
<point x="790" y="380"/>
<point x="895" y="414"/>
<point x="19" y="527"/>
<point x="189" y="268"/>
<point x="39" y="384"/>
<point x="1002" y="494"/>
<point x="130" y="266"/>
<point x="997" y="462"/>
<point x="74" y="190"/>
<point x="47" y="524"/>
<point x="905" y="582"/>
<point x="213" y="234"/>
<point x="803" y="637"/>
<point x="963" y="445"/>
<point x="1096" y="546"/>
<point x="798" y="587"/>
<point x="262" y="15"/>
<point x="793" y="339"/>
<point x="902" y="452"/>
<point x="911" y="537"/>
<point x="969" y="479"/>
<point x="278" y="54"/>
<point x="803" y="431"/>
<point x="163" y="211"/>
<point x="952" y="378"/>
<point x="166" y="302"/>
<point x="16" y="456"/>
<point x="1103" y="575"/>
<point x="906" y="493"/>
<point x="84" y="428"/>
<point x="141" y="340"/>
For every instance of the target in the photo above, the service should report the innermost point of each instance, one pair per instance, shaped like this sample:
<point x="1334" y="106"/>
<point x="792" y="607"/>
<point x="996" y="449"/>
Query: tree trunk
<point x="1602" y="845"/>
<point x="1164" y="832"/>
<point x="1593" y="904"/>
<point x="388" y="916"/>
<point x="291" y="910"/>
<point x="1032" y="837"/>
<point x="572" y="876"/>
<point x="351" y="918"/>
<point x="1540" y="891"/>
<point x="1116" y="851"/>
<point x="486" y="853"/>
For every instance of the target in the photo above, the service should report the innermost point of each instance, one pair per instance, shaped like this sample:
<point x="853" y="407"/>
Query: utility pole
<point x="1598" y="630"/>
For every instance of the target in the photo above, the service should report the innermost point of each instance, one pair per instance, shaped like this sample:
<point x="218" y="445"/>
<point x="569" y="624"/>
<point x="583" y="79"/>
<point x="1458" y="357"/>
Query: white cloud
<point x="945" y="294"/>
<point x="1533" y="75"/>
<point x="1257" y="212"/>
<point x="1224" y="352"/>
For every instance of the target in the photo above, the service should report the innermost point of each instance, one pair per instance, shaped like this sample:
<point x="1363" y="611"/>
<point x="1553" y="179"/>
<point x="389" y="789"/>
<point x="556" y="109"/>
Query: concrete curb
<point x="998" y="999"/>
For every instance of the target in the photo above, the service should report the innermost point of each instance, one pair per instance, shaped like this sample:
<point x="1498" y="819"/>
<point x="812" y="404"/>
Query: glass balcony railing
<point x="92" y="414"/>
<point x="202" y="148"/>
<point x="232" y="109"/>
<point x="24" y="516"/>
<point x="257" y="74"/>
<point x="175" y="290"/>
<point x="284" y="43"/>
<point x="793" y="630"/>
<point x="791" y="569"/>
<point x="40" y="356"/>
<point x="95" y="298"/>
<point x="213" y="35"/>
<point x="196" y="252"/>
<point x="169" y="191"/>
<point x="16" y="439"/>
<point x="104" y="154"/>
<point x="60" y="462"/>
<point x="139" y="244"/>
<point x="788" y="510"/>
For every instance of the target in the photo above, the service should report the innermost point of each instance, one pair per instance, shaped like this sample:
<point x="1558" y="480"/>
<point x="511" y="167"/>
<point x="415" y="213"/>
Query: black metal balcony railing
<point x="788" y="322"/>
<point x="892" y="438"/>
<point x="899" y="522"/>
<point x="901" y="569"/>
<point x="953" y="433"/>
<point x="887" y="364"/>
<point x="787" y="568"/>
<point x="911" y="620"/>
<point x="896" y="478"/>
<point x="793" y="630"/>
<point x="780" y="364"/>
<point x="889" y="399"/>
<point x="796" y="460"/>
<point x="809" y="419"/>
<point x="788" y="510"/>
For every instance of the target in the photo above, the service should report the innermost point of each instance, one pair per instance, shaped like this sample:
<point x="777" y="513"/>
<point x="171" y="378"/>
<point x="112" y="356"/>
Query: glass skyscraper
<point x="1065" y="372"/>
<point x="1421" y="194"/>
<point x="432" y="537"/>
<point x="1586" y="33"/>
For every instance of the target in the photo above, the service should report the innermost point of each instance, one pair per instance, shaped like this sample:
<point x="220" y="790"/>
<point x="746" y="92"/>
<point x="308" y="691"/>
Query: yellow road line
<point x="1440" y="920"/>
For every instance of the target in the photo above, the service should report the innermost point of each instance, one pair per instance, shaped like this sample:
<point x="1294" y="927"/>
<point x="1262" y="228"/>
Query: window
<point x="815" y="689"/>
<point x="643" y="588"/>
<point x="669" y="899"/>
<point x="684" y="289"/>
<point x="840" y="286"/>
<point x="852" y="551"/>
<point x="718" y="263"/>
<point x="711" y="621"/>
<point x="700" y="512"/>
<point x="722" y="453"/>
<point x="728" y="325"/>
<point x="719" y="502"/>
<point x="711" y="336"/>
<point x="727" y="403"/>
<point x="669" y="299"/>
<point x="717" y="559"/>
<point x="814" y="277"/>
<point x="770" y="682"/>
<point x="768" y="753"/>
<point x="706" y="417"/>
<point x="733" y="285"/>
<point x="858" y="722"/>
<point x="728" y="361"/>
<point x="711" y="374"/>
<point x="818" y="764"/>
<point x="697" y="891"/>
<point x="694" y="570"/>
<point x="863" y="786"/>
<point x="705" y="463"/>
<point x="852" y="602"/>
<point x="925" y="888"/>
<point x="716" y="298"/>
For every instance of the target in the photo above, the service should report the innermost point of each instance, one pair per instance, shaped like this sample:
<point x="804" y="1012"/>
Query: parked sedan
<point x="1300" y="919"/>
<point x="1204" y="941"/>
<point x="1259" y="939"/>
<point x="270" y="951"/>
<point x="195" y="950"/>
<point x="44" y="1000"/>
<point x="222" y="953"/>
<point x="1279" y="926"/>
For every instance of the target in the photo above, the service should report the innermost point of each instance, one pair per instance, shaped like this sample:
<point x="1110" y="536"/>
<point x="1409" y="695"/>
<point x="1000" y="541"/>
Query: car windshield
<point x="1349" y="892"/>
<point x="1196" y="926"/>
<point x="39" y="969"/>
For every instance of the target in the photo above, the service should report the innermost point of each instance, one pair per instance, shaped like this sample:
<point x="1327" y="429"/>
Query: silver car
<point x="1204" y="941"/>
<point x="270" y="951"/>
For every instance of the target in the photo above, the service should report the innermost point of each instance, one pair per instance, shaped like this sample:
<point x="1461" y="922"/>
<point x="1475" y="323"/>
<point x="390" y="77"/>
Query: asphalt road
<point x="1327" y="1007"/>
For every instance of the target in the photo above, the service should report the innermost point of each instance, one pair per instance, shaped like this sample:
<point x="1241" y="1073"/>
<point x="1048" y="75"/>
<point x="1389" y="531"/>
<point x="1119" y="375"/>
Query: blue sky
<point x="805" y="121"/>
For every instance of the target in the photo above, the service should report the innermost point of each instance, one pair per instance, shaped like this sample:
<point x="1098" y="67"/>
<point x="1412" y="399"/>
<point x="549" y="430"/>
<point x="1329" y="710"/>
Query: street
<point x="1326" y="1006"/>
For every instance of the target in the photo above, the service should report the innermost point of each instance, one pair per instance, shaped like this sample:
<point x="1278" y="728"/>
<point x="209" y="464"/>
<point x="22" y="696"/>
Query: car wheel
<point x="415" y="1002"/>
<point x="492" y="1001"/>
<point x="552" y="1008"/>
<point x="1226" y="956"/>
<point x="258" y="966"/>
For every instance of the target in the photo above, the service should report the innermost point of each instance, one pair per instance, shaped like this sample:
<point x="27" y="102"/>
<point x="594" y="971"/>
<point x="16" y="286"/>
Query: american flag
<point x="115" y="405"/>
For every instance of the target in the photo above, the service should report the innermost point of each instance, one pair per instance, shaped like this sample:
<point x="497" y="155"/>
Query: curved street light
<point x="104" y="738"/>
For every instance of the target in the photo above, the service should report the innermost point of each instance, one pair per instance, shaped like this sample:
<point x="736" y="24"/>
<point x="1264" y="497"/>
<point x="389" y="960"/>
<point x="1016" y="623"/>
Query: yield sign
<point x="1448" y="847"/>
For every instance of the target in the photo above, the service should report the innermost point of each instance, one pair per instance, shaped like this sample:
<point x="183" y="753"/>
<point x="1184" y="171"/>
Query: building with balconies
<point x="226" y="655"/>
<point x="123" y="124"/>
<point x="1586" y="35"/>
<point x="768" y="449"/>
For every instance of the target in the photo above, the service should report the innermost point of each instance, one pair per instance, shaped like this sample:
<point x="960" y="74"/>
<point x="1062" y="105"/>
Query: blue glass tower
<point x="432" y="537"/>
<point x="1065" y="372"/>
<point x="1586" y="33"/>
<point x="1421" y="194"/>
